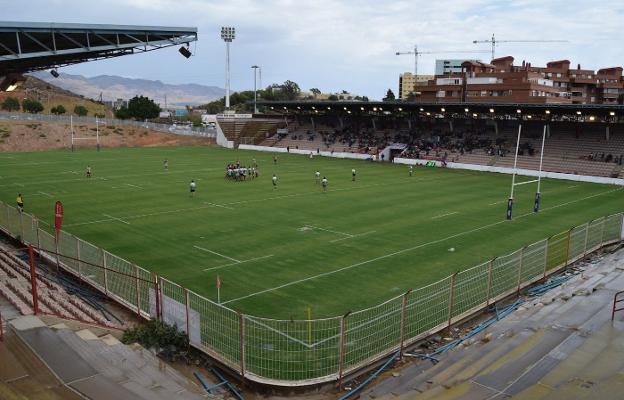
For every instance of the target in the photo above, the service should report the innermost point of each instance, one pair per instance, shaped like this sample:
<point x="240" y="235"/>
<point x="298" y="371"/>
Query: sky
<point x="339" y="45"/>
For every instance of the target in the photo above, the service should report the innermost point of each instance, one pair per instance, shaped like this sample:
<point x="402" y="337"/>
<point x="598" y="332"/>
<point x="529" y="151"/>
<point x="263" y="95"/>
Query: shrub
<point x="155" y="334"/>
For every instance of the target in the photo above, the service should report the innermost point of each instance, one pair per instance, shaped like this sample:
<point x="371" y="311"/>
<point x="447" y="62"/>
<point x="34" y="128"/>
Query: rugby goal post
<point x="76" y="139"/>
<point x="538" y="195"/>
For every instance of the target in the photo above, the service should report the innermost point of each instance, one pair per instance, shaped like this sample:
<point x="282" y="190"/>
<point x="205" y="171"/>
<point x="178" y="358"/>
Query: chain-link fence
<point x="187" y="130"/>
<point x="301" y="352"/>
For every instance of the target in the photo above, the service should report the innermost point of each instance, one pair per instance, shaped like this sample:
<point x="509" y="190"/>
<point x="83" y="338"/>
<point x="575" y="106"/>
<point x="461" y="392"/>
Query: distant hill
<point x="117" y="87"/>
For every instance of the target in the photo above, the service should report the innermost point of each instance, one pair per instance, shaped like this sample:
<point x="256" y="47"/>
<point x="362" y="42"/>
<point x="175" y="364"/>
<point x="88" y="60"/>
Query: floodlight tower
<point x="228" y="34"/>
<point x="255" y="69"/>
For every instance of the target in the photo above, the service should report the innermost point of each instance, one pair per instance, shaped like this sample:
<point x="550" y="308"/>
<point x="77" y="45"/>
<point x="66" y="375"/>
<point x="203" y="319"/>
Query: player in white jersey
<point x="88" y="171"/>
<point x="274" y="180"/>
<point x="317" y="175"/>
<point x="324" y="184"/>
<point x="192" y="187"/>
<point x="166" y="164"/>
<point x="353" y="174"/>
<point x="411" y="170"/>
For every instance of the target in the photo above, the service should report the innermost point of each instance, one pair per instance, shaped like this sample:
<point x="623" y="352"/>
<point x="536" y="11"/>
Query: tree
<point x="99" y="115"/>
<point x="122" y="113"/>
<point x="58" y="110"/>
<point x="11" y="104"/>
<point x="291" y="90"/>
<point x="81" y="111"/>
<point x="315" y="92"/>
<point x="32" y="106"/>
<point x="389" y="96"/>
<point x="332" y="97"/>
<point x="141" y="107"/>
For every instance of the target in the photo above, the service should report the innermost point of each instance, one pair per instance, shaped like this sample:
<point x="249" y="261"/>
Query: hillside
<point x="34" y="136"/>
<point x="51" y="96"/>
<point x="117" y="87"/>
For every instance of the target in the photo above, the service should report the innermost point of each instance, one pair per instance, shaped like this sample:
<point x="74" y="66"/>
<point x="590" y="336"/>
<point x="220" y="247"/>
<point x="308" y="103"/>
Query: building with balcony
<point x="503" y="82"/>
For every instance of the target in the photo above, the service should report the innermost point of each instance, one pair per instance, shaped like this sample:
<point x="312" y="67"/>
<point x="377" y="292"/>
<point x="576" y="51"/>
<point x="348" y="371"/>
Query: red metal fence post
<point x="33" y="279"/>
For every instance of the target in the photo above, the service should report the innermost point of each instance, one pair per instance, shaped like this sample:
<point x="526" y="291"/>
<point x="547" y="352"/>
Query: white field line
<point x="498" y="202"/>
<point x="330" y="231"/>
<point x="352" y="236"/>
<point x="219" y="205"/>
<point x="236" y="263"/>
<point x="294" y="339"/>
<point x="17" y="184"/>
<point x="219" y="254"/>
<point x="46" y="194"/>
<point x="410" y="249"/>
<point x="134" y="186"/>
<point x="116" y="219"/>
<point x="573" y="186"/>
<point x="445" y="215"/>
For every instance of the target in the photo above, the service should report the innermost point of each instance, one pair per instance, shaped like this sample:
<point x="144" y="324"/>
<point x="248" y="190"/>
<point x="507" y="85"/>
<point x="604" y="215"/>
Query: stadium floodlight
<point x="298" y="108"/>
<point x="345" y="108"/>
<point x="518" y="111"/>
<point x="349" y="112"/>
<point x="591" y="118"/>
<point x="443" y="109"/>
<point x="185" y="51"/>
<point x="491" y="110"/>
<point x="328" y="107"/>
<point x="428" y="113"/>
<point x="400" y="109"/>
<point x="466" y="110"/>
<point x="54" y="73"/>
<point x="547" y="111"/>
<point x="374" y="108"/>
<point x="578" y="112"/>
<point x="529" y="116"/>
<point x="255" y="70"/>
<point x="228" y="34"/>
<point x="474" y="115"/>
<point x="362" y="108"/>
<point x="421" y="109"/>
<point x="612" y="113"/>
<point x="380" y="109"/>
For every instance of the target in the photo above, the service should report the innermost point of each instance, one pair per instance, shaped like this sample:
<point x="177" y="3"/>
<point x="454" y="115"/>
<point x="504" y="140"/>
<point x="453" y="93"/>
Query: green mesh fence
<point x="298" y="352"/>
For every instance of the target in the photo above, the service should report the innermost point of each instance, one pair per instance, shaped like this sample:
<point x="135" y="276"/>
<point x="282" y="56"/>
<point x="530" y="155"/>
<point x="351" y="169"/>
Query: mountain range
<point x="114" y="87"/>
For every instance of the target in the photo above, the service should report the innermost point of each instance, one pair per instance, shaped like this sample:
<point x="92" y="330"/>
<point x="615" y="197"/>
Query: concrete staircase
<point x="562" y="345"/>
<point x="100" y="367"/>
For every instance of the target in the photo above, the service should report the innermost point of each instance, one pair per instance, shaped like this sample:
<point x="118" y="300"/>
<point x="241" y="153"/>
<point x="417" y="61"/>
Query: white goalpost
<point x="538" y="195"/>
<point x="75" y="139"/>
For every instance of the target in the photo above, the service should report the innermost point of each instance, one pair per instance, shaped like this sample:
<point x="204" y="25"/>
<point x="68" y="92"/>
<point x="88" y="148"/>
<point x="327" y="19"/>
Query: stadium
<point x="429" y="216"/>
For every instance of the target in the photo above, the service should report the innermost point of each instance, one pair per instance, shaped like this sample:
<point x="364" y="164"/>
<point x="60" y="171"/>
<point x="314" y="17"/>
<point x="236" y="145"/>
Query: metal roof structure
<point x="33" y="46"/>
<point x="457" y="109"/>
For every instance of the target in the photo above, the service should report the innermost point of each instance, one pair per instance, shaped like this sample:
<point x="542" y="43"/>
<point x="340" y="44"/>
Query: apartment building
<point x="408" y="83"/>
<point x="503" y="82"/>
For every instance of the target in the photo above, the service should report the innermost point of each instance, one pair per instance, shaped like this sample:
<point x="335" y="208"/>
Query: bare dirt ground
<point x="37" y="136"/>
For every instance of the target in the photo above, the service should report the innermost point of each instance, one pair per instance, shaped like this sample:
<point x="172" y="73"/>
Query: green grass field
<point x="279" y="251"/>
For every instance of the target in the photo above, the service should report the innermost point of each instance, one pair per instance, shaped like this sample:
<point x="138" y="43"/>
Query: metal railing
<point x="304" y="352"/>
<point x="616" y="300"/>
<point x="187" y="130"/>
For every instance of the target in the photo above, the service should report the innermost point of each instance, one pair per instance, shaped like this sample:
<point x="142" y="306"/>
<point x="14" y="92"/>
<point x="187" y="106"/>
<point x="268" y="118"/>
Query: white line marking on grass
<point x="116" y="219"/>
<point x="525" y="182"/>
<point x="330" y="231"/>
<point x="573" y="186"/>
<point x="46" y="194"/>
<point x="236" y="263"/>
<point x="219" y="205"/>
<point x="135" y="186"/>
<point x="352" y="236"/>
<point x="18" y="184"/>
<point x="411" y="248"/>
<point x="219" y="254"/>
<point x="445" y="215"/>
<point x="498" y="202"/>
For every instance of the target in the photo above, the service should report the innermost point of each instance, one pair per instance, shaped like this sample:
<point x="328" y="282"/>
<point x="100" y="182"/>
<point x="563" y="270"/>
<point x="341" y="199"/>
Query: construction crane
<point x="416" y="53"/>
<point x="493" y="41"/>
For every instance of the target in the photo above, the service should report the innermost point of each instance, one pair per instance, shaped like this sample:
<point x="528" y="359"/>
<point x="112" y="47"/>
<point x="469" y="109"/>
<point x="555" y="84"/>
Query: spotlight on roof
<point x="349" y="112"/>
<point x="474" y="115"/>
<point x="54" y="73"/>
<point x="443" y="109"/>
<point x="400" y="109"/>
<point x="466" y="110"/>
<point x="612" y="113"/>
<point x="518" y="111"/>
<point x="578" y="112"/>
<point x="285" y="108"/>
<point x="298" y="108"/>
<point x="591" y="118"/>
<point x="185" y="51"/>
<point x="314" y="108"/>
<point x="491" y="110"/>
<point x="422" y="109"/>
<point x="547" y="111"/>
<point x="428" y="113"/>
<point x="345" y="108"/>
<point x="529" y="116"/>
<point x="362" y="108"/>
<point x="315" y="111"/>
<point x="374" y="108"/>
<point x="328" y="107"/>
<point x="272" y="108"/>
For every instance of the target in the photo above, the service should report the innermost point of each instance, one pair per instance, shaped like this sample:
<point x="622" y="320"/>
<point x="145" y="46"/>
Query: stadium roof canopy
<point x="458" y="109"/>
<point x="32" y="46"/>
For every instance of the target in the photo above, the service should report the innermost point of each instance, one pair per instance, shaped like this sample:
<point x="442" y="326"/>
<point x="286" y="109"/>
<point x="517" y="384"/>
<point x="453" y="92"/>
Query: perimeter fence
<point x="304" y="352"/>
